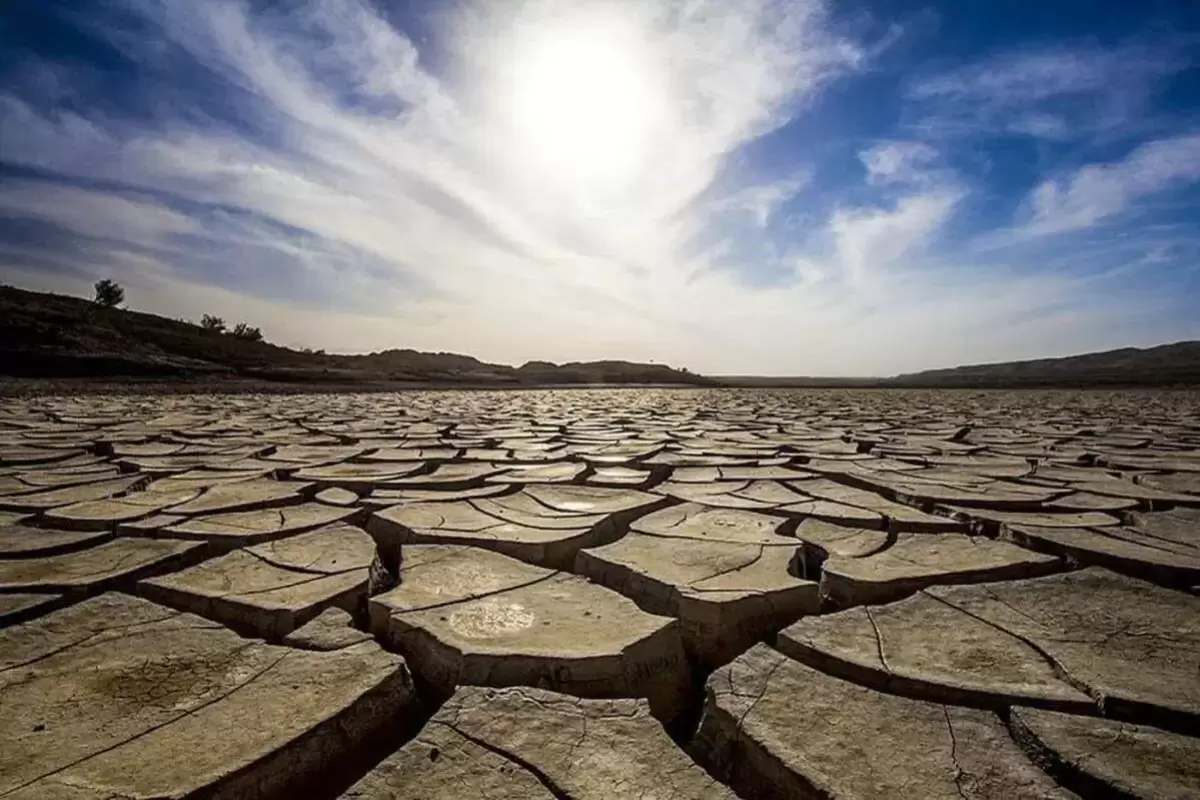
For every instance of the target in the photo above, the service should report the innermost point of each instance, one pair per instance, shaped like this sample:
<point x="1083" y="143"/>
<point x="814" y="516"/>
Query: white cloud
<point x="898" y="162"/>
<point x="366" y="202"/>
<point x="1023" y="77"/>
<point x="441" y="191"/>
<point x="1041" y="126"/>
<point x="93" y="213"/>
<point x="869" y="239"/>
<point x="761" y="202"/>
<point x="1098" y="192"/>
<point x="445" y="170"/>
<point x="1060" y="91"/>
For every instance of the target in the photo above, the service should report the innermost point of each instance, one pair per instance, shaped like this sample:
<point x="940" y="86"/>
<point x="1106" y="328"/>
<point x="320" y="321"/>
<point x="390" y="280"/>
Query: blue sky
<point x="740" y="188"/>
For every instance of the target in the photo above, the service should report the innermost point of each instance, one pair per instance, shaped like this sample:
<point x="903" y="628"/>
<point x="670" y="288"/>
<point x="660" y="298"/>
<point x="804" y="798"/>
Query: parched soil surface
<point x="601" y="594"/>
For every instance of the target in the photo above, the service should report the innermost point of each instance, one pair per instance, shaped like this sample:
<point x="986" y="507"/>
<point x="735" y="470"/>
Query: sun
<point x="583" y="100"/>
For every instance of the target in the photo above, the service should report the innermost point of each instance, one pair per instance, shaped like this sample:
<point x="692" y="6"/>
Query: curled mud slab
<point x="854" y="742"/>
<point x="1089" y="641"/>
<point x="237" y="529"/>
<point x="912" y="561"/>
<point x="101" y="515"/>
<point x="541" y="525"/>
<point x="114" y="563"/>
<point x="46" y="499"/>
<point x="332" y="629"/>
<point x="532" y="743"/>
<point x="21" y="541"/>
<point x="469" y="616"/>
<point x="16" y="608"/>
<point x="900" y="517"/>
<point x="1131" y="550"/>
<point x="242" y="496"/>
<point x="270" y="589"/>
<point x="118" y="697"/>
<point x="1102" y="757"/>
<point x="726" y="594"/>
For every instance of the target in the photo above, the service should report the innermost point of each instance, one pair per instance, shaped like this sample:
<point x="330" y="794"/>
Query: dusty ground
<point x="600" y="593"/>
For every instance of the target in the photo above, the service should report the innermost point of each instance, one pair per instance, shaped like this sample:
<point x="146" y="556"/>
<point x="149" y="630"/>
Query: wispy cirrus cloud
<point x="761" y="202"/>
<point x="316" y="168"/>
<point x="1057" y="92"/>
<point x="375" y="153"/>
<point x="1098" y="192"/>
<point x="898" y="162"/>
<point x="873" y="238"/>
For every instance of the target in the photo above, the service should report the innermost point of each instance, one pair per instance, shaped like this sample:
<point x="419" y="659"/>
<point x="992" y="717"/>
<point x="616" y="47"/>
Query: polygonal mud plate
<point x="205" y="478"/>
<point x="270" y="589"/>
<point x="358" y="477"/>
<point x="471" y="616"/>
<point x="27" y="455"/>
<point x="67" y="495"/>
<point x="542" y="525"/>
<point x="21" y="541"/>
<point x="1105" y="757"/>
<point x="337" y="496"/>
<point x="530" y="743"/>
<point x="1065" y="641"/>
<point x="293" y="455"/>
<point x="387" y="497"/>
<point x="332" y="629"/>
<point x="244" y="496"/>
<point x="731" y="494"/>
<point x="727" y="595"/>
<point x="1124" y="549"/>
<point x="993" y="521"/>
<point x="167" y="697"/>
<point x="911" y="561"/>
<point x="543" y="473"/>
<point x="16" y="608"/>
<point x="111" y="564"/>
<point x="698" y="522"/>
<point x="621" y="476"/>
<point x="40" y="480"/>
<point x="900" y="517"/>
<point x="99" y="515"/>
<point x="448" y="477"/>
<point x="858" y="742"/>
<point x="227" y="531"/>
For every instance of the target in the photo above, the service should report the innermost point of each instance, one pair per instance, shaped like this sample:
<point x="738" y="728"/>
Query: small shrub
<point x="244" y="331"/>
<point x="211" y="323"/>
<point x="108" y="294"/>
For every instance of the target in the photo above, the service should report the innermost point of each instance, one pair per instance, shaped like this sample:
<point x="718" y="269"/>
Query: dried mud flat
<point x="599" y="594"/>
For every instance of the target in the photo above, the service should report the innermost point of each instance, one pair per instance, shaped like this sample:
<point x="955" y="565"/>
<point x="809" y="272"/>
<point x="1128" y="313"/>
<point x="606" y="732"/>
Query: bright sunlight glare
<point x="584" y="101"/>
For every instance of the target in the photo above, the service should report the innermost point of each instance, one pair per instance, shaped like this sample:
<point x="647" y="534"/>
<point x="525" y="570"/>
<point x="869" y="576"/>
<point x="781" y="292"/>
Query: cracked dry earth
<point x="601" y="594"/>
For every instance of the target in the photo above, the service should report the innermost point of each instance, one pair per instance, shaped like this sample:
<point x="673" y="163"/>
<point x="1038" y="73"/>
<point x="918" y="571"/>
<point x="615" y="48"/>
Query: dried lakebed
<point x="599" y="594"/>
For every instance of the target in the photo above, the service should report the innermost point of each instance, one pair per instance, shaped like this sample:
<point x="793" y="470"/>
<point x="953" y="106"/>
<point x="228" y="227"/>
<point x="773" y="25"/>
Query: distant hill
<point x="59" y="337"/>
<point x="1165" y="365"/>
<point x="55" y="336"/>
<point x="799" y="382"/>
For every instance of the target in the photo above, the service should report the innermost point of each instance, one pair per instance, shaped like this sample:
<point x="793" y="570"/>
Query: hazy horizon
<point x="759" y="188"/>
